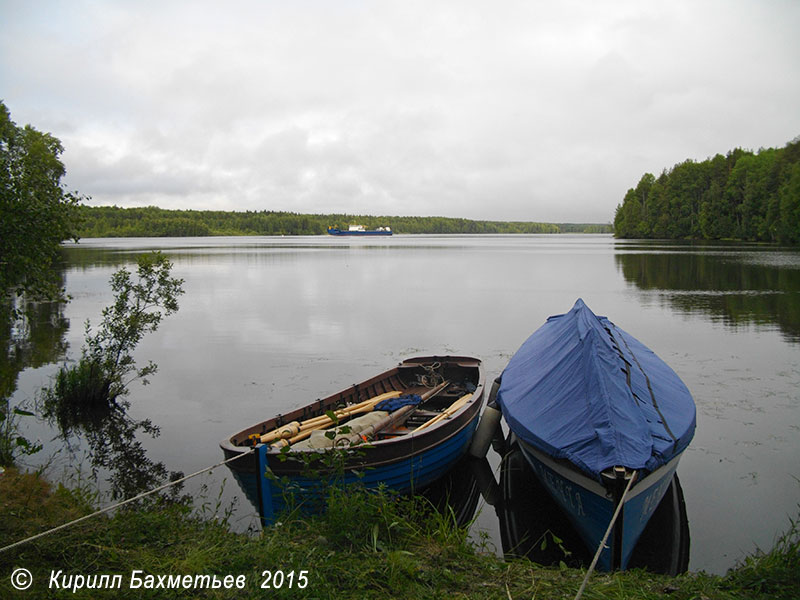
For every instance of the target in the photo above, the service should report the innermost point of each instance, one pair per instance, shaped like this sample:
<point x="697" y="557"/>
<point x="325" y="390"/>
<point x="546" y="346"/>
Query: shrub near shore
<point x="366" y="546"/>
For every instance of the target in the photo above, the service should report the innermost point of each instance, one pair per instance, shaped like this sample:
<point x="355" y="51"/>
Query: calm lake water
<point x="268" y="324"/>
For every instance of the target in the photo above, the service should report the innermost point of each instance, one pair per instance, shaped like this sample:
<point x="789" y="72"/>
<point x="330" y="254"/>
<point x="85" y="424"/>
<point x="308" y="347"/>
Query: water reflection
<point x="111" y="436"/>
<point x="33" y="339"/>
<point x="31" y="334"/>
<point x="457" y="493"/>
<point x="737" y="285"/>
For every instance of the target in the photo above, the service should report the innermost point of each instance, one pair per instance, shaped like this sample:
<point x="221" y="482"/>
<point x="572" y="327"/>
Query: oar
<point x="447" y="412"/>
<point x="392" y="418"/>
<point x="322" y="422"/>
<point x="292" y="429"/>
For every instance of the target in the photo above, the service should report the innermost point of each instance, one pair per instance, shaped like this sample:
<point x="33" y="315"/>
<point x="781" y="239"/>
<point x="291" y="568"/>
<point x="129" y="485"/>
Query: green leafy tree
<point x="36" y="213"/>
<point x="107" y="366"/>
<point x="628" y="216"/>
<point x="743" y="195"/>
<point x="789" y="224"/>
<point x="137" y="310"/>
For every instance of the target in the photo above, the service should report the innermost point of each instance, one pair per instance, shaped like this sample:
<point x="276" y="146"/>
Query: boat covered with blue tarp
<point x="592" y="408"/>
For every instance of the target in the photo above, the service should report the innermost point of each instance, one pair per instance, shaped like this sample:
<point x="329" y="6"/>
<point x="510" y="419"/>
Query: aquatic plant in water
<point x="87" y="397"/>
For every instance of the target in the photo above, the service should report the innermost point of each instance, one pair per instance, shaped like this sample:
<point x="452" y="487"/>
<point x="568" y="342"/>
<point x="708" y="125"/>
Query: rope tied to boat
<point x="602" y="545"/>
<point x="432" y="376"/>
<point x="120" y="504"/>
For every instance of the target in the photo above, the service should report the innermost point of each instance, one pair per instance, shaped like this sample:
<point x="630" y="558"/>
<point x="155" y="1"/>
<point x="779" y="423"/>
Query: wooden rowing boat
<point x="405" y="449"/>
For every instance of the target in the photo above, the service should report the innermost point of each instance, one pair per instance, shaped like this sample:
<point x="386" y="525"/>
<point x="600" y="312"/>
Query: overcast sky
<point x="503" y="110"/>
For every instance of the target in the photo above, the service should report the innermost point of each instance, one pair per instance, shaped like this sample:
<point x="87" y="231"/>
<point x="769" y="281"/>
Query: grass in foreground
<point x="366" y="546"/>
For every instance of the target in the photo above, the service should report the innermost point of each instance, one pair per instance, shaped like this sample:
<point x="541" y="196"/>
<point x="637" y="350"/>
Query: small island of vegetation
<point x="744" y="195"/>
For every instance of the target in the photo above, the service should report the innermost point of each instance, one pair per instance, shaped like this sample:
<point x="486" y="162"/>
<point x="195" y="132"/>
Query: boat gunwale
<point x="572" y="473"/>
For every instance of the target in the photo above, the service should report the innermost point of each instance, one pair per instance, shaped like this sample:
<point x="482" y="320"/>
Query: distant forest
<point x="744" y="195"/>
<point x="113" y="221"/>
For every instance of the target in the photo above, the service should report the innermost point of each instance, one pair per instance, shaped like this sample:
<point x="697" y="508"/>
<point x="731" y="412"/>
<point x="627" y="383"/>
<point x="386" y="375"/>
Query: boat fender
<point x="484" y="477"/>
<point x="490" y="421"/>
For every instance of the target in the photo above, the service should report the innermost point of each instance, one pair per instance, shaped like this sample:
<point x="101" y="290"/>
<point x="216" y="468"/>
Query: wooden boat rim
<point x="231" y="448"/>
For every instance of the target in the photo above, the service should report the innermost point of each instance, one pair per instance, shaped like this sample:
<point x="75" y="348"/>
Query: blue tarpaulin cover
<point x="584" y="390"/>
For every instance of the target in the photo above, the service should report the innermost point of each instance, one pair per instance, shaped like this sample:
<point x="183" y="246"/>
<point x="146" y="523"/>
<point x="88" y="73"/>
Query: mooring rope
<point x="605" y="538"/>
<point x="432" y="376"/>
<point x="118" y="504"/>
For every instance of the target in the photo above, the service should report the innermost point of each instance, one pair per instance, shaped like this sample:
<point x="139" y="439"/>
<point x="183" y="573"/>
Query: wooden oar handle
<point x="286" y="431"/>
<point x="395" y="417"/>
<point x="288" y="434"/>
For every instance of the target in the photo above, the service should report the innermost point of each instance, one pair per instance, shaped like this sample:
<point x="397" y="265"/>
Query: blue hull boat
<point x="409" y="446"/>
<point x="602" y="421"/>
<point x="528" y="515"/>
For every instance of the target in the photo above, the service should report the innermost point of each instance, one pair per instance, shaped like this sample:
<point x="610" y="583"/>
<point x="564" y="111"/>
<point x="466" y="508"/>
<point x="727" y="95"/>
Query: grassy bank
<point x="367" y="546"/>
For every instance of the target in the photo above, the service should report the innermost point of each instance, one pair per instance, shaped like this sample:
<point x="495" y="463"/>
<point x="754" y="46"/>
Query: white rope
<point x="118" y="504"/>
<point x="605" y="538"/>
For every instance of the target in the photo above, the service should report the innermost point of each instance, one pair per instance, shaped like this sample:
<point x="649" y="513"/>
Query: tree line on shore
<point x="114" y="221"/>
<point x="744" y="195"/>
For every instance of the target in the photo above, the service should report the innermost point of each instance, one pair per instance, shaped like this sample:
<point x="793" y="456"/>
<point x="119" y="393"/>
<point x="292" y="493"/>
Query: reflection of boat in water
<point x="418" y="418"/>
<point x="359" y="230"/>
<point x="534" y="526"/>
<point x="602" y="421"/>
<point x="457" y="493"/>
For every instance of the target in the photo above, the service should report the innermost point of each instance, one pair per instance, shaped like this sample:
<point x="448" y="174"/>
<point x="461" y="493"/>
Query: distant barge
<point x="359" y="230"/>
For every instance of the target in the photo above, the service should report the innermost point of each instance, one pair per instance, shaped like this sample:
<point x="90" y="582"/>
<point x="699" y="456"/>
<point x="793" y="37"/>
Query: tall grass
<point x="775" y="573"/>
